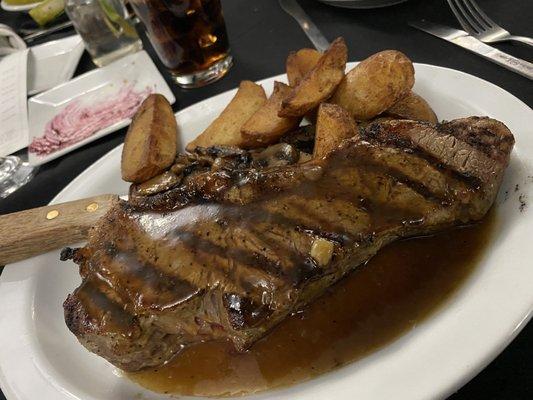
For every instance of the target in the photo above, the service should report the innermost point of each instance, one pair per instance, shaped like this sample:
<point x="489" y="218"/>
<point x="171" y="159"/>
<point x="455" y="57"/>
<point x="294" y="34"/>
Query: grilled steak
<point x="232" y="250"/>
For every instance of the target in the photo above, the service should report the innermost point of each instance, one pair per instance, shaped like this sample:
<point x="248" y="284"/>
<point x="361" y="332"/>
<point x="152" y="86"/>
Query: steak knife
<point x="463" y="39"/>
<point x="292" y="8"/>
<point x="28" y="233"/>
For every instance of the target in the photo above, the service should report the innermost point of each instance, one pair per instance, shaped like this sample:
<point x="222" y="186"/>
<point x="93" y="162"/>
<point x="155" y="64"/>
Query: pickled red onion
<point x="77" y="122"/>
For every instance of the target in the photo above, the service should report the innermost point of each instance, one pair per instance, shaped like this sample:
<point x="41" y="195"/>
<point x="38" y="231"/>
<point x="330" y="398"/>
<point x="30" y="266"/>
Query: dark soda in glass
<point x="189" y="36"/>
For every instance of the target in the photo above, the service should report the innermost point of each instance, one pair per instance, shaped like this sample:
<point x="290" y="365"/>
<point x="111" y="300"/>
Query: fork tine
<point x="464" y="19"/>
<point x="479" y="15"/>
<point x="474" y="23"/>
<point x="458" y="15"/>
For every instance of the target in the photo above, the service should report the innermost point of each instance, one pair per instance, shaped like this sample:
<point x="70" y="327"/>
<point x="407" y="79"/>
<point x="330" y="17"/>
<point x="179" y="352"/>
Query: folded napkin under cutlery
<point x="10" y="42"/>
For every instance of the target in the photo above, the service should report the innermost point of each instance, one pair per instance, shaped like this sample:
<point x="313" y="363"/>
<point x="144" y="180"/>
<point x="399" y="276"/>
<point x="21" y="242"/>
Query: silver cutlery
<point x="463" y="39"/>
<point x="292" y="8"/>
<point x="29" y="36"/>
<point x="474" y="20"/>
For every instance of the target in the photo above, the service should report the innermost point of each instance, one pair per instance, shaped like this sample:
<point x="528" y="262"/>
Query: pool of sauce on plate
<point x="403" y="284"/>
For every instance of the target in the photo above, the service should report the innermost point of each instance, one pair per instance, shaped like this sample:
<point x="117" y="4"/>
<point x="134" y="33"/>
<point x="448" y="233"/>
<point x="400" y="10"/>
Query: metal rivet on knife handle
<point x="92" y="207"/>
<point x="52" y="214"/>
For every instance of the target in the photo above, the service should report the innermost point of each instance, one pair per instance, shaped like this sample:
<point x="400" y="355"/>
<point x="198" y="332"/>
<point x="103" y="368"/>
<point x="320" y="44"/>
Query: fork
<point x="292" y="8"/>
<point x="32" y="34"/>
<point x="474" y="20"/>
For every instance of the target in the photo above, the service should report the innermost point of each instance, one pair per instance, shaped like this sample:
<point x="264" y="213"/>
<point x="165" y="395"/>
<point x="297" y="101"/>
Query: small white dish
<point x="42" y="360"/>
<point x="20" y="7"/>
<point x="136" y="69"/>
<point x="53" y="63"/>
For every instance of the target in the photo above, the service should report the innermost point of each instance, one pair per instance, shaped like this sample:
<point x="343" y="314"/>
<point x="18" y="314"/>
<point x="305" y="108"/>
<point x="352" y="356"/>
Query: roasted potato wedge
<point x="318" y="84"/>
<point x="151" y="142"/>
<point x="225" y="130"/>
<point x="264" y="127"/>
<point x="375" y="84"/>
<point x="333" y="125"/>
<point x="413" y="107"/>
<point x="299" y="63"/>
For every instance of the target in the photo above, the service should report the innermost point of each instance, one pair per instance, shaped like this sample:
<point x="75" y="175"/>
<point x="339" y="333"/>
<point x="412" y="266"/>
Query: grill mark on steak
<point x="469" y="180"/>
<point x="302" y="267"/>
<point x="176" y="230"/>
<point x="249" y="216"/>
<point x="402" y="141"/>
<point x="376" y="163"/>
<point x="398" y="176"/>
<point x="302" y="218"/>
<point x="275" y="241"/>
<point x="361" y="197"/>
<point x="96" y="306"/>
<point x="435" y="163"/>
<point x="475" y="131"/>
<point x="387" y="196"/>
<point x="213" y="260"/>
<point x="250" y="259"/>
<point x="138" y="281"/>
<point x="100" y="321"/>
<point x="147" y="286"/>
<point x="302" y="207"/>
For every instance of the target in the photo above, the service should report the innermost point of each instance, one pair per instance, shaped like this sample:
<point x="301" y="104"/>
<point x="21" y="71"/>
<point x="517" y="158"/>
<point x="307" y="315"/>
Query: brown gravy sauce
<point x="404" y="283"/>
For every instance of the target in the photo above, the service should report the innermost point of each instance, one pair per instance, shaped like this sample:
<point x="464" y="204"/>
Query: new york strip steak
<point x="237" y="245"/>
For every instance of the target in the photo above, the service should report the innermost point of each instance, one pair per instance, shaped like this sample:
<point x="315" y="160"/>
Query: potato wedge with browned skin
<point x="333" y="125"/>
<point x="413" y="107"/>
<point x="299" y="63"/>
<point x="318" y="84"/>
<point x="151" y="142"/>
<point x="264" y="127"/>
<point x="375" y="84"/>
<point x="225" y="130"/>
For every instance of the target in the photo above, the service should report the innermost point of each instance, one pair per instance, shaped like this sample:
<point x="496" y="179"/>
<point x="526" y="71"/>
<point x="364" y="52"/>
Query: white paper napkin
<point x="10" y="42"/>
<point x="14" y="133"/>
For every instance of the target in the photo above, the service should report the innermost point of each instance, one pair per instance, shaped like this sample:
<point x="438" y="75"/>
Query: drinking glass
<point x="105" y="31"/>
<point x="14" y="173"/>
<point x="189" y="36"/>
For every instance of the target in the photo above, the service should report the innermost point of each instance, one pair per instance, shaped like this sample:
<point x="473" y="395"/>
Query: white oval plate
<point x="42" y="360"/>
<point x="20" y="7"/>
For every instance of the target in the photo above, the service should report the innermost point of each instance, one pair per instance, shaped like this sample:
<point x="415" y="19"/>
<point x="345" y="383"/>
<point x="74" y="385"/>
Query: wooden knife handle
<point x="28" y="233"/>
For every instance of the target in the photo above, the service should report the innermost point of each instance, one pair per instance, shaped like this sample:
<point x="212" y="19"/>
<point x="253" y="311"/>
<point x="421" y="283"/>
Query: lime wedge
<point x="47" y="11"/>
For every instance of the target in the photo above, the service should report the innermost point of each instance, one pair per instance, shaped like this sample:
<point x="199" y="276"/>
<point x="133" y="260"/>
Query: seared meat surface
<point x="237" y="246"/>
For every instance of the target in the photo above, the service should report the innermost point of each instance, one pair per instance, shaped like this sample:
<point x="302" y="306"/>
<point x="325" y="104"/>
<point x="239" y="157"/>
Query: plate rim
<point x="460" y="380"/>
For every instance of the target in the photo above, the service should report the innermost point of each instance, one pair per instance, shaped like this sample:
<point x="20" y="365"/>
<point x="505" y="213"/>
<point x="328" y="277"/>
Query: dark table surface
<point x="261" y="36"/>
